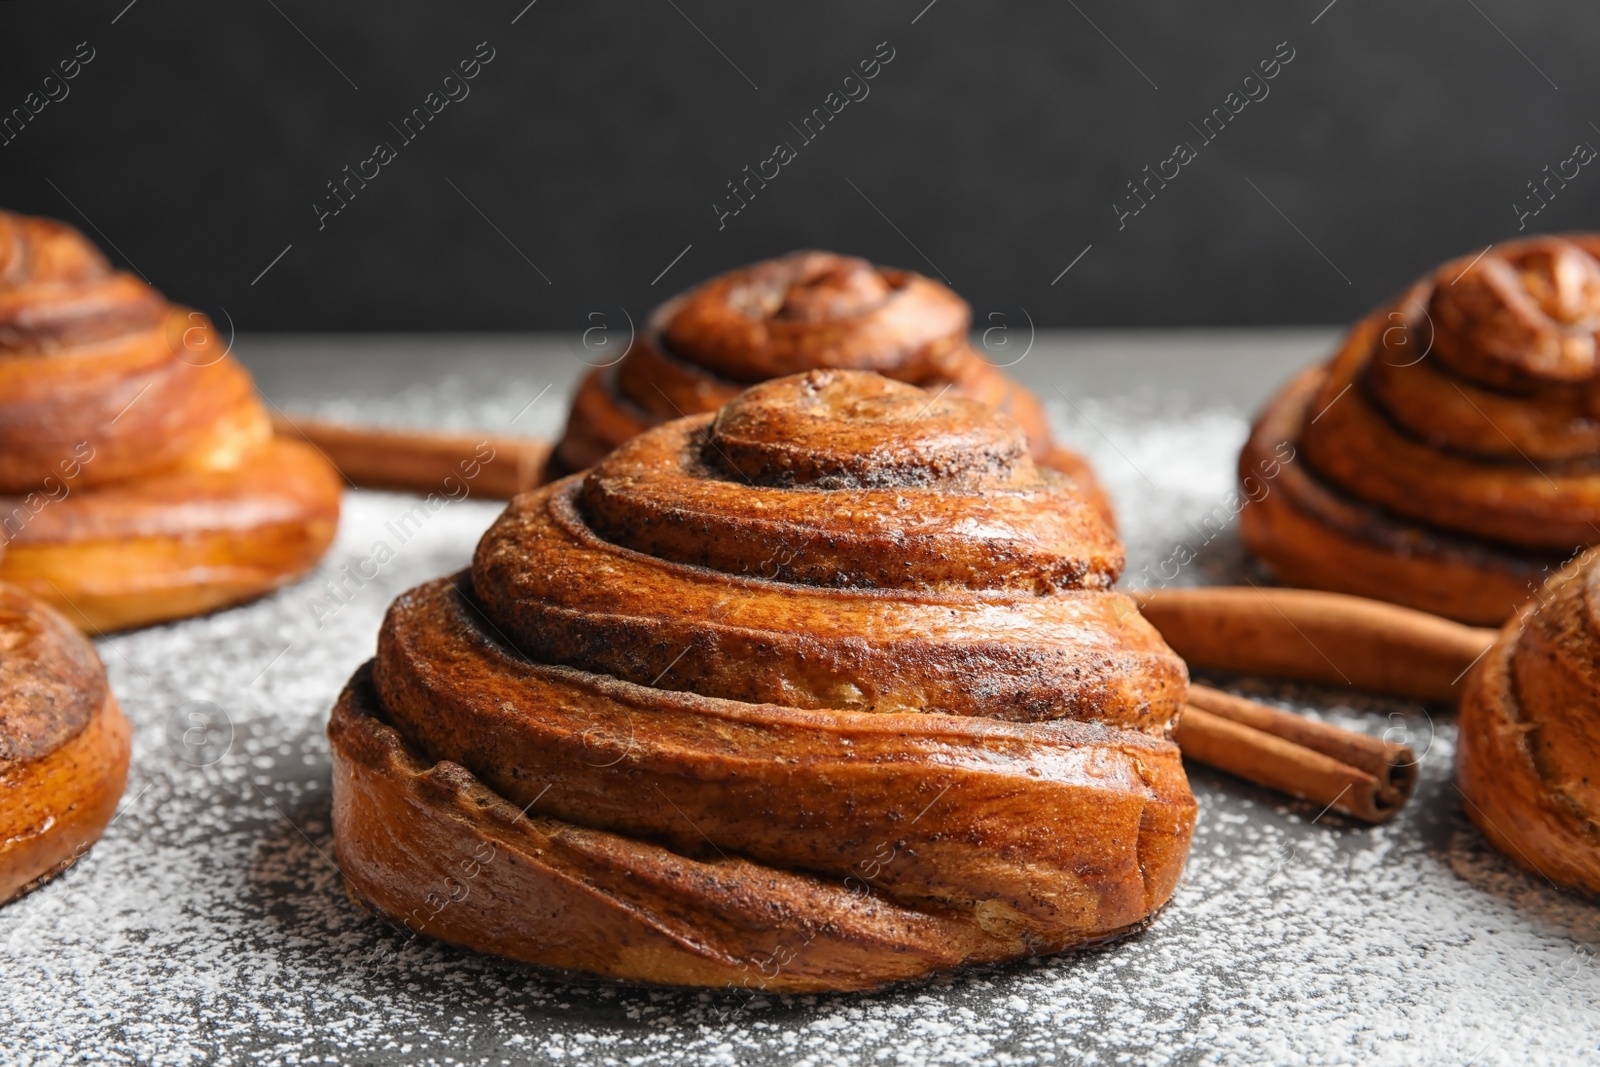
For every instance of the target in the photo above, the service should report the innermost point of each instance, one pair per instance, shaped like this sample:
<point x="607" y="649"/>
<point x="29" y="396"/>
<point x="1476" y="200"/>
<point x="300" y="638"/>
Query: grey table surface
<point x="209" y="924"/>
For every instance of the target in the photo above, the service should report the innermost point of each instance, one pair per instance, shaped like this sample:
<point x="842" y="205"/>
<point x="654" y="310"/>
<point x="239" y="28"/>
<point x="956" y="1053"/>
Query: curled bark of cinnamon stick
<point x="420" y="461"/>
<point x="1364" y="777"/>
<point x="1329" y="638"/>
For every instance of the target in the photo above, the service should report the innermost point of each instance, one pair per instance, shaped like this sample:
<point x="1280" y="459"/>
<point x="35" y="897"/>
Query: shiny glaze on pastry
<point x="139" y="478"/>
<point x="1529" y="745"/>
<point x="799" y="312"/>
<point x="823" y="692"/>
<point x="63" y="744"/>
<point x="1449" y="454"/>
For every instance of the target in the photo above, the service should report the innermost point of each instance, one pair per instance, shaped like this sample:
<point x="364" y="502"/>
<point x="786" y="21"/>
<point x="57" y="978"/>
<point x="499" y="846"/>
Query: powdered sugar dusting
<point x="210" y="924"/>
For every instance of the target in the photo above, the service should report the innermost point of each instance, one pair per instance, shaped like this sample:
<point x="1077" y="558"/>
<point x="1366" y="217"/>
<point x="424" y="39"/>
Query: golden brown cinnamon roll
<point x="824" y="692"/>
<point x="1530" y="732"/>
<point x="1448" y="456"/>
<point x="63" y="744"/>
<point x="139" y="478"/>
<point x="803" y="311"/>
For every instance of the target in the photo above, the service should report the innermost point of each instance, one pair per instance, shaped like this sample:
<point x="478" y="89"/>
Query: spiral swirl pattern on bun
<point x="826" y="691"/>
<point x="63" y="744"/>
<point x="1449" y="454"/>
<point x="1528" y="759"/>
<point x="804" y="311"/>
<point x="139" y="479"/>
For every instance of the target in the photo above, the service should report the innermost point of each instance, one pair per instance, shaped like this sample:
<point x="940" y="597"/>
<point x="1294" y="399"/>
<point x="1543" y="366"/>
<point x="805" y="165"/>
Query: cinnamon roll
<point x="63" y="744"/>
<point x="803" y="311"/>
<point x="1526" y="761"/>
<point x="139" y="478"/>
<point x="1448" y="456"/>
<point x="826" y="691"/>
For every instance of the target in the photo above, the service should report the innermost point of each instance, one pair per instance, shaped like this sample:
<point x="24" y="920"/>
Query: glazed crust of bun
<point x="139" y="478"/>
<point x="1312" y="535"/>
<point x="799" y="312"/>
<point x="63" y="745"/>
<point x="1530" y="731"/>
<point x="1448" y="456"/>
<point x="823" y="692"/>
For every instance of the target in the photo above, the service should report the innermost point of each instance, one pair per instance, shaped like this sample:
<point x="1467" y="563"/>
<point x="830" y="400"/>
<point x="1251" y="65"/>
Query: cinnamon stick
<point x="1364" y="777"/>
<point x="1328" y="638"/>
<point x="496" y="467"/>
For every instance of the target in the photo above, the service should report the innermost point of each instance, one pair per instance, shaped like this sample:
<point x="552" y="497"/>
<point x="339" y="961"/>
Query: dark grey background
<point x="990" y="150"/>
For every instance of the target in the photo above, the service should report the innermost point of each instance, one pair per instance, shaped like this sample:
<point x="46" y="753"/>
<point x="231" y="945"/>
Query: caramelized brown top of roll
<point x="1524" y="315"/>
<point x="1472" y="404"/>
<point x="100" y="378"/>
<point x="833" y="540"/>
<point x="51" y="682"/>
<point x="811" y="309"/>
<point x="57" y="289"/>
<point x="857" y="481"/>
<point x="804" y="311"/>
